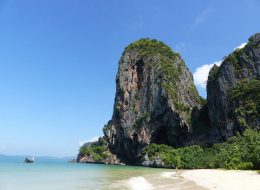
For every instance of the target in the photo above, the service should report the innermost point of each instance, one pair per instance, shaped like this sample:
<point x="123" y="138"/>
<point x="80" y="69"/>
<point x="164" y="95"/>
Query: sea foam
<point x="168" y="174"/>
<point x="139" y="183"/>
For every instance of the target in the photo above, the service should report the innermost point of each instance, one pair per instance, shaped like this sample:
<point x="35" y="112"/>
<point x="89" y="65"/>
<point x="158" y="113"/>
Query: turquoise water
<point x="61" y="175"/>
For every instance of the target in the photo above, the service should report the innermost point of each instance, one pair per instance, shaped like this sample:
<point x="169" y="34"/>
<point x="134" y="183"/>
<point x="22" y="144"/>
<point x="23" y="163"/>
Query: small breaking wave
<point x="169" y="174"/>
<point x="139" y="183"/>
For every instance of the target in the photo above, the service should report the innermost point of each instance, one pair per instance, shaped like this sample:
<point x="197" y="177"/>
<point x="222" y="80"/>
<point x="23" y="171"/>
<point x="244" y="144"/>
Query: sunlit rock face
<point x="155" y="95"/>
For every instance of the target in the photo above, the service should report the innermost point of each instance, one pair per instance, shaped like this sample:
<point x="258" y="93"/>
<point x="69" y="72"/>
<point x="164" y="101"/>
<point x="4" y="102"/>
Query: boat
<point x="29" y="160"/>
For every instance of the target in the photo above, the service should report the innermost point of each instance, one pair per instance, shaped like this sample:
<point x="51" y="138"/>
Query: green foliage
<point x="151" y="47"/>
<point x="181" y="107"/>
<point x="191" y="157"/>
<point x="233" y="58"/>
<point x="148" y="47"/>
<point x="170" y="90"/>
<point x="246" y="96"/>
<point x="171" y="76"/>
<point x="168" y="154"/>
<point x="246" y="88"/>
<point x="239" y="152"/>
<point x="96" y="150"/>
<point x="85" y="150"/>
<point x="170" y="72"/>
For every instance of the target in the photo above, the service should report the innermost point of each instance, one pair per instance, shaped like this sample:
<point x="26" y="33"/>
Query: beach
<point x="61" y="175"/>
<point x="163" y="180"/>
<point x="198" y="179"/>
<point x="224" y="179"/>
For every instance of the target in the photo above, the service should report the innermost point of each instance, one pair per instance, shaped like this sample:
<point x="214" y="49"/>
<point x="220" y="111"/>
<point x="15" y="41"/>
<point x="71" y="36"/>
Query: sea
<point x="59" y="174"/>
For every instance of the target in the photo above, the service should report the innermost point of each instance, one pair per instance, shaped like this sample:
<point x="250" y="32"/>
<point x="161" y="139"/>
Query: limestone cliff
<point x="156" y="102"/>
<point x="233" y="92"/>
<point x="155" y="95"/>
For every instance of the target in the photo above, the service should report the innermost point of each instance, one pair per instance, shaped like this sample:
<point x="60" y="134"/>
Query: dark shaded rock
<point x="111" y="159"/>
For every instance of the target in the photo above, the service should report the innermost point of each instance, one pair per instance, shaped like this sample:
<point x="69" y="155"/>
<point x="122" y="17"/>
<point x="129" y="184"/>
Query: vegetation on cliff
<point x="246" y="95"/>
<point x="170" y="67"/>
<point x="151" y="47"/>
<point x="239" y="152"/>
<point x="233" y="92"/>
<point x="240" y="59"/>
<point x="157" y="107"/>
<point x="155" y="93"/>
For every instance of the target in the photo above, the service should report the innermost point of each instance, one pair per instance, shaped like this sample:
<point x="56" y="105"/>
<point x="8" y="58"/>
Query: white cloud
<point x="92" y="139"/>
<point x="201" y="74"/>
<point x="240" y="46"/>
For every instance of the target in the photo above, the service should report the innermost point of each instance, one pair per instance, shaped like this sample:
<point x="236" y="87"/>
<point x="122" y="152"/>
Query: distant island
<point x="159" y="119"/>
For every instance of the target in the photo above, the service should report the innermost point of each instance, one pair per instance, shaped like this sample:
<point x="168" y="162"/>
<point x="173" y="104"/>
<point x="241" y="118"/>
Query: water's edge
<point x="72" y="176"/>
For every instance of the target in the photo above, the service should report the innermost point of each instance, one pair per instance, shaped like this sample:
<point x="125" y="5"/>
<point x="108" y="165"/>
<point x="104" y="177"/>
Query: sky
<point x="59" y="58"/>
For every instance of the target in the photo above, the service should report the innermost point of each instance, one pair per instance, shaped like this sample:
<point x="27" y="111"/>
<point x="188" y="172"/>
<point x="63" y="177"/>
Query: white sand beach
<point x="203" y="179"/>
<point x="224" y="179"/>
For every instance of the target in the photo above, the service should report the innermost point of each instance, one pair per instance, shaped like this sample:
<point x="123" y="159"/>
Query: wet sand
<point x="204" y="179"/>
<point x="157" y="181"/>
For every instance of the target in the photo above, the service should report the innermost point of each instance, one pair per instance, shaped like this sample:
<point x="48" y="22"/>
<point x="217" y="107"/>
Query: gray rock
<point x="155" y="94"/>
<point x="240" y="65"/>
<point x="156" y="102"/>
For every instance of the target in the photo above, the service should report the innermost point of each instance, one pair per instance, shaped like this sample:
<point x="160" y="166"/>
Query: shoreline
<point x="218" y="179"/>
<point x="195" y="179"/>
<point x="198" y="179"/>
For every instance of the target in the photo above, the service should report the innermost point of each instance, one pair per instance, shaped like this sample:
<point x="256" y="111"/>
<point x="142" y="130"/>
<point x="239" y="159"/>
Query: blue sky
<point x="58" y="60"/>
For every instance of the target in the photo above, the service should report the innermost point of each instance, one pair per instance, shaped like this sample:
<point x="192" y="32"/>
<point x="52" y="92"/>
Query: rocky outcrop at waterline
<point x="98" y="153"/>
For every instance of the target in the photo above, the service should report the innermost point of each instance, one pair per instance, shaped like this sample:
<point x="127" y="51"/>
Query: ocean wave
<point x="169" y="174"/>
<point x="139" y="183"/>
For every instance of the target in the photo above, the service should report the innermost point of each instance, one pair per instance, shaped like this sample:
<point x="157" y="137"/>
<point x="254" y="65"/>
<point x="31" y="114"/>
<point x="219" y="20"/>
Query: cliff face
<point x="233" y="91"/>
<point x="156" y="102"/>
<point x="155" y="95"/>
